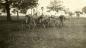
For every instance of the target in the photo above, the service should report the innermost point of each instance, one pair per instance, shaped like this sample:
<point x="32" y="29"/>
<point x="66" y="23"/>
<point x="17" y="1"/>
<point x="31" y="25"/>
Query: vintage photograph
<point x="42" y="23"/>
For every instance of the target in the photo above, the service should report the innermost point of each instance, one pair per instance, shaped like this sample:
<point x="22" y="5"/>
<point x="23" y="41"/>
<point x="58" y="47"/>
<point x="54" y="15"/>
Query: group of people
<point x="29" y="20"/>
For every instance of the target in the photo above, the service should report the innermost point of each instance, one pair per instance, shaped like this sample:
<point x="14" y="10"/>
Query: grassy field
<point x="72" y="35"/>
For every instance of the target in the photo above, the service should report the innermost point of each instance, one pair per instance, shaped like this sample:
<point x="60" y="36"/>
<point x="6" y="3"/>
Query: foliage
<point x="55" y="6"/>
<point x="22" y="4"/>
<point x="78" y="13"/>
<point x="84" y="9"/>
<point x="18" y="4"/>
<point x="70" y="13"/>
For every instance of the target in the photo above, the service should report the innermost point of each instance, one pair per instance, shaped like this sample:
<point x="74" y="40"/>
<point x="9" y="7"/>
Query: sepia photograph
<point x="42" y="23"/>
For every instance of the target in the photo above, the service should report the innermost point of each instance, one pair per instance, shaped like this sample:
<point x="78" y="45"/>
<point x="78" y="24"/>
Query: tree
<point x="78" y="13"/>
<point x="5" y="4"/>
<point x="70" y="14"/>
<point x="55" y="6"/>
<point x="0" y="14"/>
<point x="18" y="4"/>
<point x="84" y="9"/>
<point x="16" y="11"/>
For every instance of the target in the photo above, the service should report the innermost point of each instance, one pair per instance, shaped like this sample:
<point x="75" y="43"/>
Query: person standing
<point x="61" y="19"/>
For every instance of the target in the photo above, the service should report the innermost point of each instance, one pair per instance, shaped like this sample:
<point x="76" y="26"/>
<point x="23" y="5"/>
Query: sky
<point x="73" y="5"/>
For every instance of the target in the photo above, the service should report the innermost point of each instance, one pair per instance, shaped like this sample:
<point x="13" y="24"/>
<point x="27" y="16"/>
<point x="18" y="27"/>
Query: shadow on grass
<point x="6" y="31"/>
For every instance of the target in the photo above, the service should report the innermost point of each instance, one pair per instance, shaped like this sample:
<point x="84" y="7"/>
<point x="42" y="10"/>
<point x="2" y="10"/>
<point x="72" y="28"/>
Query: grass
<point x="72" y="35"/>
